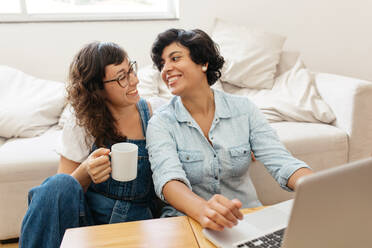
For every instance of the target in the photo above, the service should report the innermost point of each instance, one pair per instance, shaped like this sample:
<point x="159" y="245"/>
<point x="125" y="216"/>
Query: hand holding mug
<point x="98" y="165"/>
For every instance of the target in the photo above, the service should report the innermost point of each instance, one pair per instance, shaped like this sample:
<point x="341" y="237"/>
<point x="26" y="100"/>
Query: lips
<point x="172" y="79"/>
<point x="132" y="92"/>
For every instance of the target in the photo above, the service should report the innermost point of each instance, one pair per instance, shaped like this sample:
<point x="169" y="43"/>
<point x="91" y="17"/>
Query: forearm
<point x="296" y="175"/>
<point x="183" y="199"/>
<point x="76" y="170"/>
<point x="82" y="176"/>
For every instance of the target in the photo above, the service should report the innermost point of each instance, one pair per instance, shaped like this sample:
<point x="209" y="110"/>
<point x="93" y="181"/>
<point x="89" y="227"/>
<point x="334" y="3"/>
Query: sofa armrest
<point x="351" y="102"/>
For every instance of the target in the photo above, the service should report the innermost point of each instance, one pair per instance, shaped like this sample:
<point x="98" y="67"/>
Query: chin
<point x="175" y="91"/>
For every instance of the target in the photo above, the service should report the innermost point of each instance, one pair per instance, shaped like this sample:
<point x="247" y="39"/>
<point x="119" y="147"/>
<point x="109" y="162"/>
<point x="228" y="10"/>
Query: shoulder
<point x="235" y="104"/>
<point x="165" y="112"/>
<point x="76" y="142"/>
<point x="154" y="103"/>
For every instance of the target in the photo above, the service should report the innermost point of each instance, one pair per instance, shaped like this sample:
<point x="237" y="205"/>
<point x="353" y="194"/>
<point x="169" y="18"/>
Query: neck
<point x="200" y="102"/>
<point x="120" y="113"/>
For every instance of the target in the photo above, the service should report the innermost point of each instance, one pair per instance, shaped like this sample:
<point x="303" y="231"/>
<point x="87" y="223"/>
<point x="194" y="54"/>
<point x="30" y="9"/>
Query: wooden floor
<point x="9" y="245"/>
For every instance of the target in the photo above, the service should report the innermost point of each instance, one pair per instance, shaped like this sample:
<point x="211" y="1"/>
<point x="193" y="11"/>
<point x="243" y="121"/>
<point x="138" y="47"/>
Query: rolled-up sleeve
<point x="163" y="155"/>
<point x="268" y="149"/>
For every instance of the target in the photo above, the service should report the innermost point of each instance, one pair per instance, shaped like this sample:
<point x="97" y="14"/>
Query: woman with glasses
<point x="200" y="143"/>
<point x="107" y="109"/>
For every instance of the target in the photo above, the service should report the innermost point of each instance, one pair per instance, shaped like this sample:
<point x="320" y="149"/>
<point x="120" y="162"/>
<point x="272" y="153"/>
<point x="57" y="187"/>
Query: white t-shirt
<point x="76" y="143"/>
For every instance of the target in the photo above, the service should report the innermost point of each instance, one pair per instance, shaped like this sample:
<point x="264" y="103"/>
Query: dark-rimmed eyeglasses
<point x="123" y="79"/>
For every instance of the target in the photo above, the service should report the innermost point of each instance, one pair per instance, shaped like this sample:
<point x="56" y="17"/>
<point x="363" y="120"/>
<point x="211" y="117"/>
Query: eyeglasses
<point x="123" y="80"/>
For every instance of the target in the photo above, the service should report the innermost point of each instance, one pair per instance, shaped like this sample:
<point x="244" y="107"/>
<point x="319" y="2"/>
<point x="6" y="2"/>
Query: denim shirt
<point x="178" y="149"/>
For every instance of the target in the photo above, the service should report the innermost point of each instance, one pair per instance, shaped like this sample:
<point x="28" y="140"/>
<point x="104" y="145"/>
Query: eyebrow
<point x="172" y="53"/>
<point x="122" y="71"/>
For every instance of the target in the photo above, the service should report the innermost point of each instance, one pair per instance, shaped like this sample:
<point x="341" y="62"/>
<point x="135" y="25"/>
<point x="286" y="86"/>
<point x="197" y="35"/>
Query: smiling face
<point x="115" y="94"/>
<point x="179" y="72"/>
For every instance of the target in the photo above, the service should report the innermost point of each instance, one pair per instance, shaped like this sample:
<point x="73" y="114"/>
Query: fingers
<point x="238" y="205"/>
<point x="98" y="165"/>
<point x="253" y="157"/>
<point x="99" y="152"/>
<point x="208" y="223"/>
<point x="102" y="175"/>
<point x="222" y="215"/>
<point x="232" y="207"/>
<point x="222" y="212"/>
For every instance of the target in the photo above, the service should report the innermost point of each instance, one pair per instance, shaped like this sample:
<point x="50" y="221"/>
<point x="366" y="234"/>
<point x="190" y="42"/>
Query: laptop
<point x="331" y="208"/>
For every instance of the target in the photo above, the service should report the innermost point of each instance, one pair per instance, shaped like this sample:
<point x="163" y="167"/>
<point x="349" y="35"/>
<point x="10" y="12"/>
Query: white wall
<point x="332" y="35"/>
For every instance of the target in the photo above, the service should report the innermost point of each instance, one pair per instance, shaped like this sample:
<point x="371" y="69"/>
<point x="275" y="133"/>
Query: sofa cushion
<point x="303" y="139"/>
<point x="25" y="159"/>
<point x="321" y="146"/>
<point x="251" y="55"/>
<point x="28" y="105"/>
<point x="294" y="97"/>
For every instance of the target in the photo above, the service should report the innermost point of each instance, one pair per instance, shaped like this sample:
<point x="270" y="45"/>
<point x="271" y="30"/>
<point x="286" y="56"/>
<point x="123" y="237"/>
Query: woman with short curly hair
<point x="107" y="109"/>
<point x="200" y="144"/>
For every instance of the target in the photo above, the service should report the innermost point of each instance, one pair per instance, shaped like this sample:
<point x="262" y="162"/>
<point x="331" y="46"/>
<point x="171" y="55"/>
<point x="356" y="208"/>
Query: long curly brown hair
<point x="85" y="88"/>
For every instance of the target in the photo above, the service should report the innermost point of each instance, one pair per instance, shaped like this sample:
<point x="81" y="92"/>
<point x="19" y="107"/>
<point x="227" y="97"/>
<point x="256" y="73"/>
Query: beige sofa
<point x="322" y="146"/>
<point x="26" y="162"/>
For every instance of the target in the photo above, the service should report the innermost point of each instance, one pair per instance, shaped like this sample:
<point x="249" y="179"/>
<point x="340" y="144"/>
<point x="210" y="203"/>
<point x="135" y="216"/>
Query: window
<point x="86" y="10"/>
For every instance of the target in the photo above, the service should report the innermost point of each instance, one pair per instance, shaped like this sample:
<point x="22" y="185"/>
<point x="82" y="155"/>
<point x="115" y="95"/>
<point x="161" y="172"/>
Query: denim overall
<point x="60" y="202"/>
<point x="113" y="201"/>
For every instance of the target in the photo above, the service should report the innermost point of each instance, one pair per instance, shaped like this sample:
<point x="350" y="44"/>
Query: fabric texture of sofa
<point x="328" y="125"/>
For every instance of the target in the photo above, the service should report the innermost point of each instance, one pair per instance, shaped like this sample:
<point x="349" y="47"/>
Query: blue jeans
<point x="60" y="203"/>
<point x="57" y="204"/>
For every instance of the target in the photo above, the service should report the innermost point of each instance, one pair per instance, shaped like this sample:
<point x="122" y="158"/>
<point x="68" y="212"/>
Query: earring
<point x="204" y="68"/>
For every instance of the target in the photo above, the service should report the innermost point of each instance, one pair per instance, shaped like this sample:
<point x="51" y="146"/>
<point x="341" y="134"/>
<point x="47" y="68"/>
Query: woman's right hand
<point x="220" y="212"/>
<point x="98" y="165"/>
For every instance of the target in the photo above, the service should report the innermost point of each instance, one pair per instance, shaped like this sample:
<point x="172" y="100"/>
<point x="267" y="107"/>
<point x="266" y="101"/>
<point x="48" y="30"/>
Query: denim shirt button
<point x="214" y="155"/>
<point x="216" y="177"/>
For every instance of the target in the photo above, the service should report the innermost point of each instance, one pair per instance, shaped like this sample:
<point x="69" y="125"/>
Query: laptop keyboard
<point x="271" y="240"/>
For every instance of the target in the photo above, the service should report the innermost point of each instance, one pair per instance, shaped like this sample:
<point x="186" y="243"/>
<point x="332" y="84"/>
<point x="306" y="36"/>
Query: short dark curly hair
<point x="202" y="50"/>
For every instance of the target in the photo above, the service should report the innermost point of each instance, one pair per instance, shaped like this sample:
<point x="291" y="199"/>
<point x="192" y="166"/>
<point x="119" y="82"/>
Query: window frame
<point x="171" y="14"/>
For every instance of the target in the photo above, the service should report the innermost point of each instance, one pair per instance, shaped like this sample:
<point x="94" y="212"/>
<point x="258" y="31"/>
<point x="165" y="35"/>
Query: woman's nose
<point x="133" y="79"/>
<point x="167" y="67"/>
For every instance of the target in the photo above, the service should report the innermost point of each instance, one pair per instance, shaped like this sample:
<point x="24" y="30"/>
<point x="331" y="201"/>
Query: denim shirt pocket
<point x="192" y="163"/>
<point x="240" y="157"/>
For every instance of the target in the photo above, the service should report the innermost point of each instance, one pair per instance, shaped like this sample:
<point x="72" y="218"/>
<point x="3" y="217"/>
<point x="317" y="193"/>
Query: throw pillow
<point x="294" y="97"/>
<point x="28" y="105"/>
<point x="251" y="55"/>
<point x="151" y="84"/>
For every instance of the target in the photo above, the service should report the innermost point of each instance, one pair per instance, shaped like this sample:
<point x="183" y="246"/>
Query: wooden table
<point x="164" y="233"/>
<point x="180" y="232"/>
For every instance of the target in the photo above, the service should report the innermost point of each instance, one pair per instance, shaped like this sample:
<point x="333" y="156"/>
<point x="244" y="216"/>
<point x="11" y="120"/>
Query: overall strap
<point x="144" y="113"/>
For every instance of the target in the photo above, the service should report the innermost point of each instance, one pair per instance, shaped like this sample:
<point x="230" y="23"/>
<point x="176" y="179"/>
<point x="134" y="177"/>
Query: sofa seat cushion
<point x="314" y="140"/>
<point x="305" y="138"/>
<point x="24" y="159"/>
<point x="321" y="146"/>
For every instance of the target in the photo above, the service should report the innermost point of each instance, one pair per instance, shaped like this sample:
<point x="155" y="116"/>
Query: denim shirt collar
<point x="222" y="109"/>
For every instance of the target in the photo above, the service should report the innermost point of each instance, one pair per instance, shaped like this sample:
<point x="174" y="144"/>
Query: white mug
<point x="124" y="158"/>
